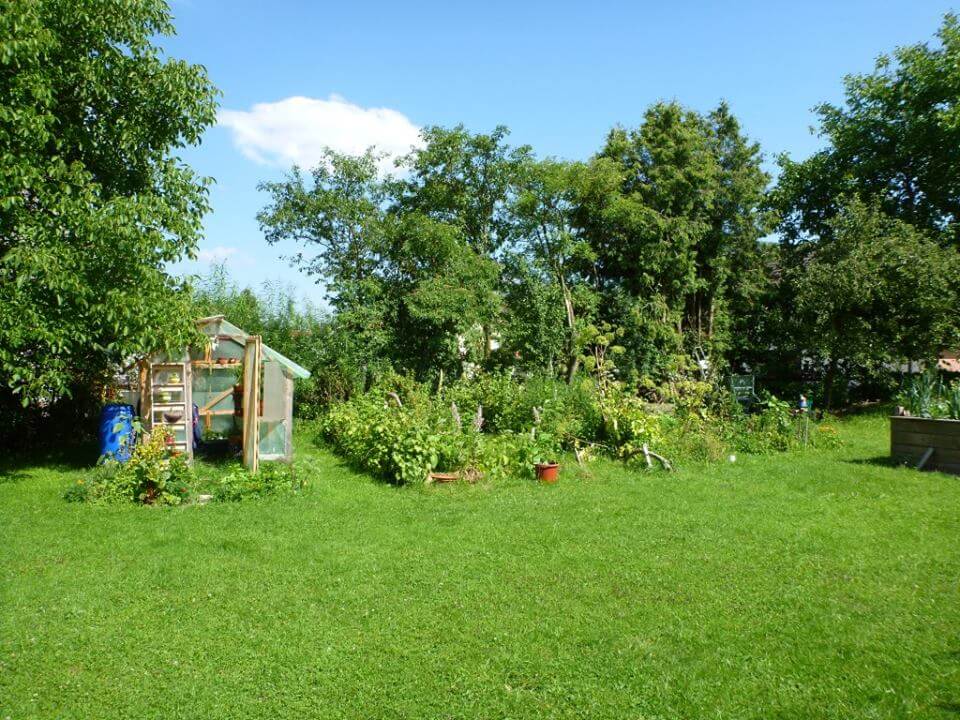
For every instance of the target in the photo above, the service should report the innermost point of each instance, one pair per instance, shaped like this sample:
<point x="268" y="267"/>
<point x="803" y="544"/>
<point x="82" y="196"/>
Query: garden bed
<point x="912" y="437"/>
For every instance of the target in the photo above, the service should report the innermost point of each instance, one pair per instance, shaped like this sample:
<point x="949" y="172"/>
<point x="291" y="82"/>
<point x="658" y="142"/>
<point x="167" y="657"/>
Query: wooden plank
<point x="211" y="413"/>
<point x="145" y="394"/>
<point x="217" y="398"/>
<point x="926" y="439"/>
<point x="926" y="426"/>
<point x="288" y="411"/>
<point x="188" y="398"/>
<point x="940" y="456"/>
<point x="251" y="403"/>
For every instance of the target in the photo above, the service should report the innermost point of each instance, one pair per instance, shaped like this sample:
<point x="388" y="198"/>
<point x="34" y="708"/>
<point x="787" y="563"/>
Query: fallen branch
<point x="648" y="453"/>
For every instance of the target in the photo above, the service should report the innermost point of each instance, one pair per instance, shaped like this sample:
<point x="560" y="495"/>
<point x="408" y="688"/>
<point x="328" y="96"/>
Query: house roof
<point x="219" y="325"/>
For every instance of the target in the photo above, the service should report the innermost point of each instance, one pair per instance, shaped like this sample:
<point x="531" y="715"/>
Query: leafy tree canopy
<point x="878" y="291"/>
<point x="94" y="202"/>
<point x="896" y="138"/>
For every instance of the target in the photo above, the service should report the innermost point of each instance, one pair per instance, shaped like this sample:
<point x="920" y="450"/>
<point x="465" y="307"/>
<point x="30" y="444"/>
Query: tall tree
<point x="339" y="217"/>
<point x="677" y="241"/>
<point x="545" y="211"/>
<point x="467" y="181"/>
<point x="94" y="203"/>
<point x="878" y="291"/>
<point x="400" y="270"/>
<point x="730" y="274"/>
<point x="896" y="138"/>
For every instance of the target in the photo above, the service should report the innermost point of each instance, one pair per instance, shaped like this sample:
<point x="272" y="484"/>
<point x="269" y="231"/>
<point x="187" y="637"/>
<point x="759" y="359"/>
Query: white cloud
<point x="296" y="130"/>
<point x="220" y="253"/>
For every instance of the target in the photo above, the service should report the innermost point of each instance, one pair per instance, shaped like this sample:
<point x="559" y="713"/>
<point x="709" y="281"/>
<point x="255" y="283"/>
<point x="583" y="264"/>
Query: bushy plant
<point x="921" y="393"/>
<point x="154" y="475"/>
<point x="494" y="424"/>
<point x="629" y="426"/>
<point x="391" y="441"/>
<point x="953" y="400"/>
<point x="404" y="443"/>
<point x="272" y="478"/>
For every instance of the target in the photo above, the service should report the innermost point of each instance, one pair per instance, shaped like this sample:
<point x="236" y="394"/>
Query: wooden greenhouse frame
<point x="235" y="380"/>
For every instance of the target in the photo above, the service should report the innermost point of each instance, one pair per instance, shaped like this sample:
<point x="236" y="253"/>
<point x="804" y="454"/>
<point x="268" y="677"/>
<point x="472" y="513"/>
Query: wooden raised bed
<point x="927" y="443"/>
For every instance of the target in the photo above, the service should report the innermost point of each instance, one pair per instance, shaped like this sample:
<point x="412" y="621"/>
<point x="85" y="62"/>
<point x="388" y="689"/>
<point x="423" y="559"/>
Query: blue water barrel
<point x="116" y="431"/>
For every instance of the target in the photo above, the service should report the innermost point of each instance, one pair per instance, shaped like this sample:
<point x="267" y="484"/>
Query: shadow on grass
<point x="65" y="459"/>
<point x="950" y="707"/>
<point x="11" y="476"/>
<point x="878" y="461"/>
<point x="348" y="464"/>
<point x="867" y="409"/>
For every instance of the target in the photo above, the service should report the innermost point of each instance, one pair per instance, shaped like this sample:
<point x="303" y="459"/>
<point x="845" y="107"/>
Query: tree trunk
<point x="828" y="382"/>
<point x="573" y="360"/>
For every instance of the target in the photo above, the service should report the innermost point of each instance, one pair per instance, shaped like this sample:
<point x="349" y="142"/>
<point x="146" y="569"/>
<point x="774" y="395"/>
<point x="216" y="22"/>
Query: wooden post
<point x="145" y="410"/>
<point x="188" y="403"/>
<point x="251" y="403"/>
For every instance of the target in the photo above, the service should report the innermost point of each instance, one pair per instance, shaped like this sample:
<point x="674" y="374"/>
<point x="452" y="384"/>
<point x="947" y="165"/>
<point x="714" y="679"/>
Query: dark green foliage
<point x="859" y="222"/>
<point x="677" y="241"/>
<point x="895" y="139"/>
<point x="876" y="291"/>
<point x="154" y="475"/>
<point x="272" y="478"/>
<point x="481" y="243"/>
<point x="94" y="203"/>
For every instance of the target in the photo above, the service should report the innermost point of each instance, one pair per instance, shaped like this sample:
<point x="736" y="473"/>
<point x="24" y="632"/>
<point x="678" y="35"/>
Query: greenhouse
<point x="215" y="387"/>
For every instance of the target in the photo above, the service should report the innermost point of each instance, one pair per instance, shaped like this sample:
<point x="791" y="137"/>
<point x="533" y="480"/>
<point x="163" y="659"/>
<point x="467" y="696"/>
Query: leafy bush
<point x="953" y="400"/>
<point x="394" y="442"/>
<point x="927" y="396"/>
<point x="496" y="424"/>
<point x="404" y="443"/>
<point x="154" y="475"/>
<point x="272" y="478"/>
<point x="629" y="426"/>
<point x="921" y="394"/>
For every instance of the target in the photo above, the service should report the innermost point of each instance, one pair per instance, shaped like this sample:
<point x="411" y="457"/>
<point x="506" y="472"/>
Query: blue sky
<point x="296" y="76"/>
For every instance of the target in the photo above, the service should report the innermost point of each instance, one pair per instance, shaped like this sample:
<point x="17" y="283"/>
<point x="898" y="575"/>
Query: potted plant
<point x="545" y="451"/>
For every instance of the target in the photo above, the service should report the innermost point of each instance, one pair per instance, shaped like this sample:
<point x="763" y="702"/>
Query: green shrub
<point x="397" y="443"/>
<point x="154" y="475"/>
<point x="537" y="418"/>
<point x="272" y="478"/>
<point x="921" y="394"/>
<point x="953" y="400"/>
<point x="629" y="426"/>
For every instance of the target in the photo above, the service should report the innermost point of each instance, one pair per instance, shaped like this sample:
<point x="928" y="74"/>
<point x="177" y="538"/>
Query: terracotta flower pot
<point x="547" y="472"/>
<point x="442" y="477"/>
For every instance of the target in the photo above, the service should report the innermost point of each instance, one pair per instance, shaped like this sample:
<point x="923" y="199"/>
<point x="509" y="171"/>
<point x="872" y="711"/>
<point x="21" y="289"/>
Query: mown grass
<point x="814" y="585"/>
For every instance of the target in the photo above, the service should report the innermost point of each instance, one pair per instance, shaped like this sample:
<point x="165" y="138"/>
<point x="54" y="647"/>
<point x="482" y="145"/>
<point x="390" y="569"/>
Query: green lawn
<point x="813" y="585"/>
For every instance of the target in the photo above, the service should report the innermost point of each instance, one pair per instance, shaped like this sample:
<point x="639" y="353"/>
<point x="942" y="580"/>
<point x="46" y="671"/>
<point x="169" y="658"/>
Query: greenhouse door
<point x="251" y="403"/>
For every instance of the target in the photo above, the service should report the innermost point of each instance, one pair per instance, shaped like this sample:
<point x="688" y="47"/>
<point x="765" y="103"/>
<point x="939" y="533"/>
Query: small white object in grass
<point x="733" y="458"/>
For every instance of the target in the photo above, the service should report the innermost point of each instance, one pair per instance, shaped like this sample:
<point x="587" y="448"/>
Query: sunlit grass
<point x="818" y="584"/>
